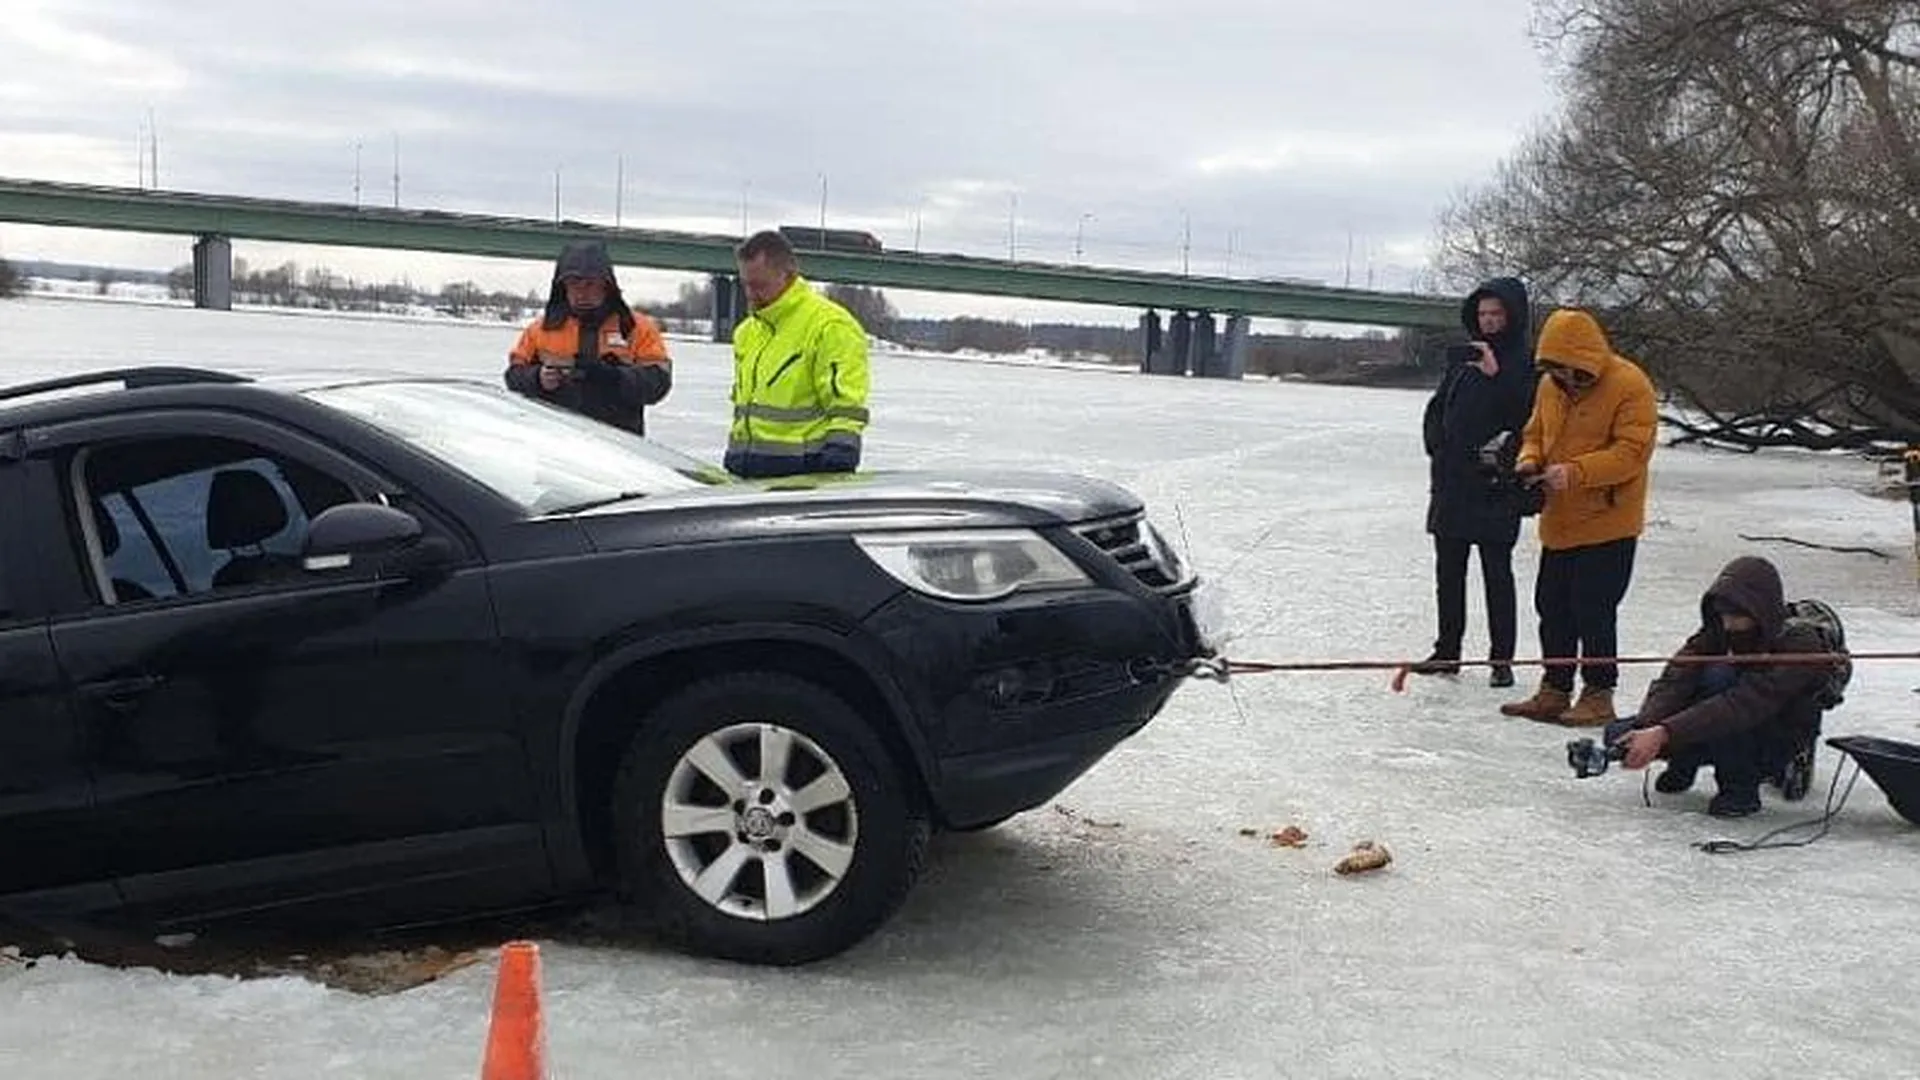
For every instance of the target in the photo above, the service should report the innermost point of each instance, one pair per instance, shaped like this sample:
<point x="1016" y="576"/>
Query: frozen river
<point x="1530" y="925"/>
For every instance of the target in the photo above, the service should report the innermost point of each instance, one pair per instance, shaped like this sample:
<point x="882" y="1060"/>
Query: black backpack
<point x="1817" y="616"/>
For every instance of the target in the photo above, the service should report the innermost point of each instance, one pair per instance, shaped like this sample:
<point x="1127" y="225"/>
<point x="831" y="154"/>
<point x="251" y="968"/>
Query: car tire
<point x="767" y="869"/>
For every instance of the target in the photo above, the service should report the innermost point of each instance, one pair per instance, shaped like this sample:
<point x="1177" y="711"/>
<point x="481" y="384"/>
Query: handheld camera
<point x="1588" y="758"/>
<point x="1496" y="465"/>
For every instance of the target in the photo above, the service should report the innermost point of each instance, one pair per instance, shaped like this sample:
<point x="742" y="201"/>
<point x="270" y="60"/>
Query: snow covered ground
<point x="1531" y="924"/>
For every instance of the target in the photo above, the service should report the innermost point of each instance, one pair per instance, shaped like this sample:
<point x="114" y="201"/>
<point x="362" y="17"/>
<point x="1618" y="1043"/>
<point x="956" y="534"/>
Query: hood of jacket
<point x="586" y="259"/>
<point x="1512" y="294"/>
<point x="1573" y="338"/>
<point x="1511" y="344"/>
<point x="1751" y="585"/>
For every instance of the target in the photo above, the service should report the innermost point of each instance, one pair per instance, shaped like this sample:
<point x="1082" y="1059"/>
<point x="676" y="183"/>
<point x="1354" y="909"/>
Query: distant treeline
<point x="287" y="285"/>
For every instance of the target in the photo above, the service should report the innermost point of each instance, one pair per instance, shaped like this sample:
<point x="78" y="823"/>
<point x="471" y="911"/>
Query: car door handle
<point x="122" y="694"/>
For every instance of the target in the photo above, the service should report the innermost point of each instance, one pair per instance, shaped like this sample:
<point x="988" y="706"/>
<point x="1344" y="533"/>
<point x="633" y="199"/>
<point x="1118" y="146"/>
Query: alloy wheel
<point x="759" y="821"/>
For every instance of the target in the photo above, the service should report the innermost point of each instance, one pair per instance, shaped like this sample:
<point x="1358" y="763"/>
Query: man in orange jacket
<point x="589" y="352"/>
<point x="1588" y="442"/>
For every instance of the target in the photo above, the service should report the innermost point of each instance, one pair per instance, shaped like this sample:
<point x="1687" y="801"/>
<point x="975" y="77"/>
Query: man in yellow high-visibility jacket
<point x="799" y="372"/>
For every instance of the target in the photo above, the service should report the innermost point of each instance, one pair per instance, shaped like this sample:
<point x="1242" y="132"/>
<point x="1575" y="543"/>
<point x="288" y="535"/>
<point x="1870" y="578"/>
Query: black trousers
<point x="1450" y="590"/>
<point x="1577" y="596"/>
<point x="1742" y="760"/>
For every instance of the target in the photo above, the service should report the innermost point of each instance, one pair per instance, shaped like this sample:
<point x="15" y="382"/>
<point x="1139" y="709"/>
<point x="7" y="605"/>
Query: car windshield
<point x="543" y="458"/>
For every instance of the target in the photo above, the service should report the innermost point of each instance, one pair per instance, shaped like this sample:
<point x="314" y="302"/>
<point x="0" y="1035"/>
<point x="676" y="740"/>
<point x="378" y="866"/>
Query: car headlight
<point x="973" y="565"/>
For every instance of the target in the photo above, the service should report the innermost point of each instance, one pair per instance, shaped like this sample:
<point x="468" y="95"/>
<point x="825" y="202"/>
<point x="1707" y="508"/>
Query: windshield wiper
<point x="591" y="504"/>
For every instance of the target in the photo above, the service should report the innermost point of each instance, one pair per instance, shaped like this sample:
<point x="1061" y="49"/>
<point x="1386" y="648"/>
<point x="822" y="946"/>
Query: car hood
<point x="861" y="502"/>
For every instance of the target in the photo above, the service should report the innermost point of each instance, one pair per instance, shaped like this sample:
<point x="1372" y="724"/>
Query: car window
<point x="543" y="458"/>
<point x="130" y="555"/>
<point x="191" y="515"/>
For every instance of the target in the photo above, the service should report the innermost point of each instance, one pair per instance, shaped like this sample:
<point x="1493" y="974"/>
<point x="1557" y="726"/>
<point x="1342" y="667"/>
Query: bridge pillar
<point x="1233" y="348"/>
<point x="1203" y="360"/>
<point x="1179" y="344"/>
<point x="213" y="273"/>
<point x="1150" y="345"/>
<point x="729" y="306"/>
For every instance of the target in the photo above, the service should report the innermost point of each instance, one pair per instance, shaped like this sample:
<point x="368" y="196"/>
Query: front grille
<point x="1131" y="544"/>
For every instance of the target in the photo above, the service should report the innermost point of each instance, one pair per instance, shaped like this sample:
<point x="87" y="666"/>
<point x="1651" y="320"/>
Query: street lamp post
<point x="1013" y="212"/>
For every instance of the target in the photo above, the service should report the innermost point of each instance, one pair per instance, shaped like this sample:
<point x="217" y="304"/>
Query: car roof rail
<point x="136" y="378"/>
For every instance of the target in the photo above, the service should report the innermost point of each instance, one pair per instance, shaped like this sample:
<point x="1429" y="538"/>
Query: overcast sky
<point x="1273" y="127"/>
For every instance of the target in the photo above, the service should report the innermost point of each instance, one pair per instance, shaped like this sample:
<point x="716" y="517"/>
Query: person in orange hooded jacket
<point x="590" y="352"/>
<point x="1589" y="442"/>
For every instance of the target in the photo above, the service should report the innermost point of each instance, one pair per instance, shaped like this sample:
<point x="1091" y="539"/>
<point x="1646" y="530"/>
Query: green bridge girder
<point x="37" y="202"/>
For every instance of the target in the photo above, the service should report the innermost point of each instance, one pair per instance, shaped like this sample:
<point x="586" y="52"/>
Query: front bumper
<point x="1018" y="699"/>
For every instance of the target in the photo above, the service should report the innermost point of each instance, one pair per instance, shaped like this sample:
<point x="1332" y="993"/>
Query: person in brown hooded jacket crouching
<point x="1750" y="721"/>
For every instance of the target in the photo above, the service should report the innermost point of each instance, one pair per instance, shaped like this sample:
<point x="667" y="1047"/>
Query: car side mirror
<point x="341" y="536"/>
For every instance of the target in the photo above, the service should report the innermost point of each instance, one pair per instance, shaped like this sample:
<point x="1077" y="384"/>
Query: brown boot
<point x="1594" y="709"/>
<point x="1547" y="703"/>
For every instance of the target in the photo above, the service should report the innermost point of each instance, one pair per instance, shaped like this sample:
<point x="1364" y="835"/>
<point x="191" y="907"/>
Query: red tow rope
<point x="1223" y="668"/>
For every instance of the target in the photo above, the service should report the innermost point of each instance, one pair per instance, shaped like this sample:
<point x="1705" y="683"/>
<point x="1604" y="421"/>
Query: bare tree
<point x="9" y="280"/>
<point x="1736" y="185"/>
<point x="460" y="297"/>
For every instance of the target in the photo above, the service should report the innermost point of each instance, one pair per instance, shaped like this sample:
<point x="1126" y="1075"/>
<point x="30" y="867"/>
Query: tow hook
<point x="1211" y="669"/>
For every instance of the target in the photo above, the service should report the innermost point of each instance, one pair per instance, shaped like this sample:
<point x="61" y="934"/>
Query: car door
<point x="54" y="858"/>
<point x="266" y="736"/>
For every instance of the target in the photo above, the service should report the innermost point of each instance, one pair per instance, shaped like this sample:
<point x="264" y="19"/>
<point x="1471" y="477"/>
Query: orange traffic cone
<point x="516" y="1036"/>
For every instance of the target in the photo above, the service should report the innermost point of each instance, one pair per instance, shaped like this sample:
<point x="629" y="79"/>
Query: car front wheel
<point x="761" y="819"/>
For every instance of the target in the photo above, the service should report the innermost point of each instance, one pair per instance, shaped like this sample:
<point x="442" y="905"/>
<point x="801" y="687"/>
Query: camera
<point x="1588" y="758"/>
<point x="1497" y="454"/>
<point x="1496" y="465"/>
<point x="1462" y="354"/>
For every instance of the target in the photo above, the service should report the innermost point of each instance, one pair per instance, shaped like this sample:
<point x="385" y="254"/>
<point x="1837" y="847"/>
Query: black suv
<point x="400" y="650"/>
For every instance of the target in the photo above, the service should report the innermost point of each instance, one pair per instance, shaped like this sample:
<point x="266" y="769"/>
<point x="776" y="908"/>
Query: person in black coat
<point x="1472" y="502"/>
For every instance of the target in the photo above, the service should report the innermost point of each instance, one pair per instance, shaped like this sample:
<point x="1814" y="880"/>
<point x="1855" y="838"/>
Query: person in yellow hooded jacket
<point x="1589" y="442"/>
<point x="800" y="372"/>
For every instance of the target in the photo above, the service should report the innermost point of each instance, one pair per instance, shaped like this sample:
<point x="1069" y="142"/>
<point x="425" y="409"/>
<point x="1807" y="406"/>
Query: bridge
<point x="1189" y="345"/>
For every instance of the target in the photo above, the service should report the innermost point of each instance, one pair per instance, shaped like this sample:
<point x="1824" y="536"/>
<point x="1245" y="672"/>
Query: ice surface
<point x="1531" y="924"/>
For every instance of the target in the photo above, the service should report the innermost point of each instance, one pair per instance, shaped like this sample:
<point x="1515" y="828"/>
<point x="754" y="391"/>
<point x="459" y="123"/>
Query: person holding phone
<point x="589" y="352"/>
<point x="1485" y="393"/>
